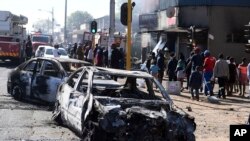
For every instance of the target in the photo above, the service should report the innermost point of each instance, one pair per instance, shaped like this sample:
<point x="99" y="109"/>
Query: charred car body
<point x="38" y="78"/>
<point x="97" y="107"/>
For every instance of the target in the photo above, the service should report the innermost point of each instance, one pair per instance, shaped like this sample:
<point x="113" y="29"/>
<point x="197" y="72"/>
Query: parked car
<point x="38" y="78"/>
<point x="47" y="51"/>
<point x="97" y="107"/>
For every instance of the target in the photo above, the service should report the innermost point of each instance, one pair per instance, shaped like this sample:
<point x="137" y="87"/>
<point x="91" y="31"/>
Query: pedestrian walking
<point x="115" y="57"/>
<point x="232" y="76"/>
<point x="196" y="60"/>
<point x="208" y="67"/>
<point x="243" y="76"/>
<point x="74" y="55"/>
<point x="121" y="61"/>
<point x="172" y="64"/>
<point x="161" y="65"/>
<point x="180" y="70"/>
<point x="149" y="60"/>
<point x="221" y="71"/>
<point x="86" y="52"/>
<point x="188" y="68"/>
<point x="90" y="55"/>
<point x="154" y="69"/>
<point x="79" y="53"/>
<point x="95" y="50"/>
<point x="99" y="58"/>
<point x="28" y="48"/>
<point x="195" y="83"/>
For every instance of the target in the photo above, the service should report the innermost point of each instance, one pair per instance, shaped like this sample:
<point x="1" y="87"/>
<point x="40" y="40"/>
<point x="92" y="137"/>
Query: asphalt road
<point x="25" y="121"/>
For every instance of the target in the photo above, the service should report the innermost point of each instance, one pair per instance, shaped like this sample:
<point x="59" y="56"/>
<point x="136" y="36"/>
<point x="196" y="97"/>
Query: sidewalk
<point x="187" y="93"/>
<point x="213" y="120"/>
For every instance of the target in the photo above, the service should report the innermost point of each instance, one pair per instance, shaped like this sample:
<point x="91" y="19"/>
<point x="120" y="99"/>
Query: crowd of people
<point x="99" y="56"/>
<point x="201" y="70"/>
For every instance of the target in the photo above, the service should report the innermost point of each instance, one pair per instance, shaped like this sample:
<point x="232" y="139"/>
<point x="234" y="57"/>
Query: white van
<point x="47" y="51"/>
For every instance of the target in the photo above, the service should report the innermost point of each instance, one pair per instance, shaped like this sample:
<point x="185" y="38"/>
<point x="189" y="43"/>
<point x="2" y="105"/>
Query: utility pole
<point x="112" y="18"/>
<point x="65" y="22"/>
<point x="128" y="51"/>
<point x="53" y="22"/>
<point x="111" y="26"/>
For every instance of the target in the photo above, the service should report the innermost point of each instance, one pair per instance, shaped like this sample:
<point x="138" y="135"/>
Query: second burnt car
<point x="38" y="78"/>
<point x="107" y="104"/>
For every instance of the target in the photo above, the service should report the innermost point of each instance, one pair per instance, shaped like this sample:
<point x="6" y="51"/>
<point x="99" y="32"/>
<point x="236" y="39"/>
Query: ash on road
<point x="25" y="121"/>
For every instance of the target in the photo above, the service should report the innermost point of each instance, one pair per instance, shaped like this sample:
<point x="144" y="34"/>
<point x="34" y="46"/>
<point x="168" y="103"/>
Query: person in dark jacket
<point x="99" y="57"/>
<point x="74" y="51"/>
<point x="232" y="75"/>
<point x="95" y="50"/>
<point x="149" y="61"/>
<point x="115" y="57"/>
<point x="172" y="64"/>
<point x="188" y="69"/>
<point x="160" y="64"/>
<point x="195" y="82"/>
<point x="28" y="48"/>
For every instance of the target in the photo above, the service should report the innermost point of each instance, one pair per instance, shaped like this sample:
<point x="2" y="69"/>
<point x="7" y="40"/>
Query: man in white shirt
<point x="56" y="51"/>
<point x="90" y="56"/>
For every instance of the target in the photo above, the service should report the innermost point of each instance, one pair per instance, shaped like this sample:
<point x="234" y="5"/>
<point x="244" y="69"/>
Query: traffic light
<point x="190" y="35"/>
<point x="93" y="27"/>
<point x="124" y="13"/>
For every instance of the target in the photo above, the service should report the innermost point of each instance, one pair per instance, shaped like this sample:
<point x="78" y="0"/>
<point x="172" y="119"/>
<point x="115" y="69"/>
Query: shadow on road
<point x="8" y="102"/>
<point x="8" y="64"/>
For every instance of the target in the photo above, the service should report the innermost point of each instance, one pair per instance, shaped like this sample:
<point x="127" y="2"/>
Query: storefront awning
<point x="183" y="29"/>
<point x="174" y="29"/>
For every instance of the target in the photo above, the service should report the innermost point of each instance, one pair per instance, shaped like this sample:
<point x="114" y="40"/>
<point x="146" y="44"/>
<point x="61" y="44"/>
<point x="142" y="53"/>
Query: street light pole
<point x="112" y="18"/>
<point x="65" y="22"/>
<point x="111" y="26"/>
<point x="53" y="22"/>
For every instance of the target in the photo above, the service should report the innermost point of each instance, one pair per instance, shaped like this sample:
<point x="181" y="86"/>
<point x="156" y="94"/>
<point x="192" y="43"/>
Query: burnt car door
<point x="66" y="90"/>
<point x="27" y="75"/>
<point x="78" y="98"/>
<point x="45" y="84"/>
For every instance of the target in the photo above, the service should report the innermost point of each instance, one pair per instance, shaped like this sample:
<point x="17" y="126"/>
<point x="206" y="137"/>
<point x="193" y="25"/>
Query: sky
<point x="30" y="8"/>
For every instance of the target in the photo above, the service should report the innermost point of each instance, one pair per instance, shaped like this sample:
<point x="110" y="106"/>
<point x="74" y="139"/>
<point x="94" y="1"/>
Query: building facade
<point x="219" y="25"/>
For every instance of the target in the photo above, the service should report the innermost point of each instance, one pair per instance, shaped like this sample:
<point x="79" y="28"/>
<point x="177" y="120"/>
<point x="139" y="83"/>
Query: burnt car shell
<point x="38" y="78"/>
<point x="107" y="111"/>
<point x="133" y="119"/>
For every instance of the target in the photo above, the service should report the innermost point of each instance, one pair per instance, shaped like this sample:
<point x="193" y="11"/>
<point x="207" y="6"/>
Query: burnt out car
<point x="107" y="104"/>
<point x="38" y="78"/>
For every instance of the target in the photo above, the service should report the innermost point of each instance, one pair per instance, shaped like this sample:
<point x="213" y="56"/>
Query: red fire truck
<point x="39" y="38"/>
<point x="12" y="36"/>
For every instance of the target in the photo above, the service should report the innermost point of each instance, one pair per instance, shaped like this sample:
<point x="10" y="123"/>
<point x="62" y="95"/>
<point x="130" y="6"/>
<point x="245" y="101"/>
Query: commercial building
<point x="219" y="25"/>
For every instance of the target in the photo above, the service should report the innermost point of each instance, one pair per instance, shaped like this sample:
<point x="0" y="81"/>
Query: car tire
<point x="57" y="113"/>
<point x="91" y="132"/>
<point x="17" y="92"/>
